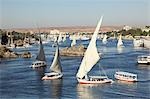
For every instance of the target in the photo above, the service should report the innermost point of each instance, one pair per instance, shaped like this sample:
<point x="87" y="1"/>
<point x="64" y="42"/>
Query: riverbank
<point x="8" y="53"/>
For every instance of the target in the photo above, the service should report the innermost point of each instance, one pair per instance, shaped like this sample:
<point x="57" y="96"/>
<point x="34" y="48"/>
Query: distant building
<point x="63" y="33"/>
<point x="146" y="29"/>
<point x="31" y="32"/>
<point x="54" y="31"/>
<point x="127" y="28"/>
<point x="115" y="30"/>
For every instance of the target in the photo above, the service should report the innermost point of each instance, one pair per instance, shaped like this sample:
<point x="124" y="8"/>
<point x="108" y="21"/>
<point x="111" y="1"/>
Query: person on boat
<point x="86" y="77"/>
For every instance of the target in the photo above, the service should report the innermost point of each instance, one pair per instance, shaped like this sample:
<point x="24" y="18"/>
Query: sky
<point x="51" y="13"/>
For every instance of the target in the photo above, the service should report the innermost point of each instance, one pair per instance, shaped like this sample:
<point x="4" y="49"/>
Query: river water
<point x="18" y="80"/>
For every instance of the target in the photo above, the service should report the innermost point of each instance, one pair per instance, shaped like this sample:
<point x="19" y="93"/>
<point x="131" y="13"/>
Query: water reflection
<point x="84" y="91"/>
<point x="144" y="66"/>
<point x="39" y="86"/>
<point x="88" y="91"/>
<point x="127" y="83"/>
<point x="120" y="49"/>
<point x="40" y="72"/>
<point x="55" y="88"/>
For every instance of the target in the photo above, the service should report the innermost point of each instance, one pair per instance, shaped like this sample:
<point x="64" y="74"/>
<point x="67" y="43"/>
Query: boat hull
<point x="51" y="76"/>
<point x="143" y="62"/>
<point x="126" y="80"/>
<point x="96" y="81"/>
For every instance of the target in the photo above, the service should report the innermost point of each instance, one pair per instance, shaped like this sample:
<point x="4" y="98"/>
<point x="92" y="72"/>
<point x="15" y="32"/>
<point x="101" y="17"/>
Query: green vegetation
<point x="134" y="32"/>
<point x="138" y="32"/>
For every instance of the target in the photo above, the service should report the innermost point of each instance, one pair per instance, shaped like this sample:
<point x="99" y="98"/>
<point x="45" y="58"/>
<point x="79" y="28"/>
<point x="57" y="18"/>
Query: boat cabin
<point x="144" y="59"/>
<point x="95" y="78"/>
<point x="126" y="76"/>
<point x="52" y="74"/>
<point x="39" y="64"/>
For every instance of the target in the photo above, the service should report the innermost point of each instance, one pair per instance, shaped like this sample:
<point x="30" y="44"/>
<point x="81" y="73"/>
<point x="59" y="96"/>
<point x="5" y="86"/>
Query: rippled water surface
<point x="18" y="80"/>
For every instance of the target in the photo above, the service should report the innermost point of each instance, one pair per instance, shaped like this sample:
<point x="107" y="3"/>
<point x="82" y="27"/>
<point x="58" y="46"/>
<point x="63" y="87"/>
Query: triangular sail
<point x="41" y="54"/>
<point x="73" y="41"/>
<point x="120" y="43"/>
<point x="55" y="38"/>
<point x="56" y="65"/>
<point x="104" y="39"/>
<point x="64" y="38"/>
<point x="59" y="38"/>
<point x="91" y="56"/>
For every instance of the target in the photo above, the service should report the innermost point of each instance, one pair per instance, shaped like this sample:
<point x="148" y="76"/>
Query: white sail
<point x="64" y="38"/>
<point x="104" y="39"/>
<point x="56" y="65"/>
<point x="73" y="41"/>
<point x="59" y="38"/>
<point x="55" y="38"/>
<point x="120" y="43"/>
<point x="10" y="41"/>
<point x="91" y="56"/>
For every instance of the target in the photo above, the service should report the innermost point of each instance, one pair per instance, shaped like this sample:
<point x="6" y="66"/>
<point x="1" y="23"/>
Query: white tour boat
<point x="91" y="57"/>
<point x="126" y="76"/>
<point x="145" y="59"/>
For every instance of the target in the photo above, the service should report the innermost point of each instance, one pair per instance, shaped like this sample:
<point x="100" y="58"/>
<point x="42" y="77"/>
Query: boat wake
<point x="144" y="80"/>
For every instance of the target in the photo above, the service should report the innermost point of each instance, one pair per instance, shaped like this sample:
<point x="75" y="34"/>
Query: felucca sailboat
<point x="55" y="68"/>
<point x="120" y="43"/>
<point x="73" y="41"/>
<point x="40" y="59"/>
<point x="60" y="38"/>
<point x="104" y="39"/>
<point x="91" y="57"/>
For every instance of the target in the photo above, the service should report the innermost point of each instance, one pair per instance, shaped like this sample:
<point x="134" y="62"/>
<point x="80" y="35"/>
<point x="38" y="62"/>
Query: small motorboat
<point x="126" y="76"/>
<point x="145" y="59"/>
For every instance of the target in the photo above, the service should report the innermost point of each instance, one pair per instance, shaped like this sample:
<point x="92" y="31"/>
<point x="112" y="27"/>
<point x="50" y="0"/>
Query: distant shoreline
<point x="66" y="29"/>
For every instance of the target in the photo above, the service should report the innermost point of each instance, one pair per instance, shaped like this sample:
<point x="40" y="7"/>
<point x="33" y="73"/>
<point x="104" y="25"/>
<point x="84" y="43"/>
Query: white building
<point x="146" y="29"/>
<point x="127" y="28"/>
<point x="54" y="31"/>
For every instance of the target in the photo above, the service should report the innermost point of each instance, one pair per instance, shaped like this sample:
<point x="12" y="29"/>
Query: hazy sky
<point x="48" y="13"/>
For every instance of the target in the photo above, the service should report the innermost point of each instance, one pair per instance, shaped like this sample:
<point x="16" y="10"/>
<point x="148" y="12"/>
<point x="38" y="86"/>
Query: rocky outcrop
<point x="26" y="55"/>
<point x="19" y="42"/>
<point x="73" y="51"/>
<point x="7" y="53"/>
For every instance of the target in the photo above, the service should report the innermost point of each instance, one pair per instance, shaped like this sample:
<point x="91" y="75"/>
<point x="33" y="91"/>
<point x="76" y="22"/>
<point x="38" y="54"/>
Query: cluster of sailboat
<point x="90" y="59"/>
